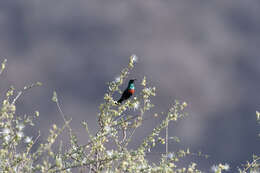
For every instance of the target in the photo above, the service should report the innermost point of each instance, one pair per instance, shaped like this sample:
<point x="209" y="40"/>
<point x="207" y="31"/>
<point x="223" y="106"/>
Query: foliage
<point x="254" y="165"/>
<point x="107" y="150"/>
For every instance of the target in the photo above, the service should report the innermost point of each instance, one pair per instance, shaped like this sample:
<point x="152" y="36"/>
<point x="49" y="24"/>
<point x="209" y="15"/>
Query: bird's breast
<point x="132" y="91"/>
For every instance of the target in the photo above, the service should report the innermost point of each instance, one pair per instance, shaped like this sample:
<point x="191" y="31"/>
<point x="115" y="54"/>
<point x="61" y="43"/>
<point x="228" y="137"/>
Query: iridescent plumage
<point x="129" y="91"/>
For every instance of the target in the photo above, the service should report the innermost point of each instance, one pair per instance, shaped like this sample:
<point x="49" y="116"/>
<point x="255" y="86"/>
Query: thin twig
<point x="80" y="164"/>
<point x="62" y="115"/>
<point x="167" y="138"/>
<point x="66" y="122"/>
<point x="250" y="165"/>
<point x="130" y="137"/>
<point x="34" y="142"/>
<point x="124" y="136"/>
<point x="25" y="89"/>
<point x="17" y="96"/>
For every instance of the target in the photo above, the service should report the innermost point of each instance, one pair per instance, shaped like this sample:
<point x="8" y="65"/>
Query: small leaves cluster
<point x="174" y="113"/>
<point x="258" y="119"/>
<point x="220" y="168"/>
<point x="254" y="165"/>
<point x="15" y="144"/>
<point x="3" y="64"/>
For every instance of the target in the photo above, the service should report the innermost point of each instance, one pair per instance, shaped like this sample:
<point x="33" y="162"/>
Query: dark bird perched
<point x="129" y="91"/>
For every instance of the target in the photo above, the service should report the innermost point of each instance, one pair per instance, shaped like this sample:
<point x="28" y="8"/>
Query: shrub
<point x="116" y="128"/>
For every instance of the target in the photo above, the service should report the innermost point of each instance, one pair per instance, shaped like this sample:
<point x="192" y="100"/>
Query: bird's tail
<point x="119" y="101"/>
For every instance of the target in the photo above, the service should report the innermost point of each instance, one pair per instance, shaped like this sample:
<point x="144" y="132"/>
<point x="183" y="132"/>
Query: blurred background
<point x="203" y="52"/>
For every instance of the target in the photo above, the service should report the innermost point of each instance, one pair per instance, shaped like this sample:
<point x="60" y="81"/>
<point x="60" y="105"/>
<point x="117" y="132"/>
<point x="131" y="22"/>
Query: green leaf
<point x="258" y="116"/>
<point x="54" y="97"/>
<point x="3" y="65"/>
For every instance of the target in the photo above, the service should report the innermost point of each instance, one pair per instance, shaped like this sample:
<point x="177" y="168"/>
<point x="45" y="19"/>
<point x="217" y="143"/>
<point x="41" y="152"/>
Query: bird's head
<point x="132" y="81"/>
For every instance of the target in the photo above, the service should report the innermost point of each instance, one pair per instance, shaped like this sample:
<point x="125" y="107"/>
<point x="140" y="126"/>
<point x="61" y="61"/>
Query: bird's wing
<point x="123" y="96"/>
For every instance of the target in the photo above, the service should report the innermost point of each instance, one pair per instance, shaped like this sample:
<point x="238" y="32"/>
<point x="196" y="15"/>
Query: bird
<point x="129" y="91"/>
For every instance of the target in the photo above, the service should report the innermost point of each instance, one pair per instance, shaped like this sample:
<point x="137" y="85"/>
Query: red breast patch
<point x="132" y="91"/>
